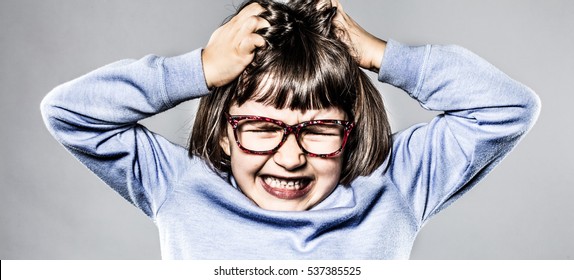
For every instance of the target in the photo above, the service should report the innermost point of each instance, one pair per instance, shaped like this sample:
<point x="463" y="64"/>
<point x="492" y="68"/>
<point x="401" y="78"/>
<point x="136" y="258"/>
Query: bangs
<point x="302" y="76"/>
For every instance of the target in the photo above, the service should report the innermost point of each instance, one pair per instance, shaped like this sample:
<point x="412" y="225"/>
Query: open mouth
<point x="286" y="188"/>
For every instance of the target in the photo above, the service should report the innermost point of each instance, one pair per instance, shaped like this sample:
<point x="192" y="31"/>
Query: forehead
<point x="286" y="115"/>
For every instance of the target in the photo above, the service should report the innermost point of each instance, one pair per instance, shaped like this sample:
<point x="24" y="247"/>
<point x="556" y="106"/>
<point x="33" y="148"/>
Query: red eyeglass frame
<point x="289" y="129"/>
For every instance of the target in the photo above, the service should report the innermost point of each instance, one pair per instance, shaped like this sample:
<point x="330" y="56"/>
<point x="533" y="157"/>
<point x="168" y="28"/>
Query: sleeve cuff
<point x="402" y="66"/>
<point x="184" y="77"/>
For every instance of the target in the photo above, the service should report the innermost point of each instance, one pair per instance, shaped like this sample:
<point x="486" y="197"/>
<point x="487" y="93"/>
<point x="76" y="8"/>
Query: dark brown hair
<point x="310" y="68"/>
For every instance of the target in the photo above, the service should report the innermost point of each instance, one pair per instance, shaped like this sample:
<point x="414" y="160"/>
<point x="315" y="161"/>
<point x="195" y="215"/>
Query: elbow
<point x="531" y="107"/>
<point x="515" y="115"/>
<point x="49" y="110"/>
<point x="46" y="106"/>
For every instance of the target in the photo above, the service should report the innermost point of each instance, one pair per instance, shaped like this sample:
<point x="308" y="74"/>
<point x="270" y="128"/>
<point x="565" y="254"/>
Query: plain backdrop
<point x="51" y="207"/>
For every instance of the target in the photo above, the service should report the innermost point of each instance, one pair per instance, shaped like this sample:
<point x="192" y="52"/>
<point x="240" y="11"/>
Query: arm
<point x="484" y="114"/>
<point x="95" y="116"/>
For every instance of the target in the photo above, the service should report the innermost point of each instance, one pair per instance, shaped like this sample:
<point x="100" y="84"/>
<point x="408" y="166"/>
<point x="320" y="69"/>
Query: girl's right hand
<point x="230" y="48"/>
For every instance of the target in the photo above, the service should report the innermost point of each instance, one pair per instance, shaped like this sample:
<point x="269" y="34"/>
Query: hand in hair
<point x="230" y="48"/>
<point x="368" y="49"/>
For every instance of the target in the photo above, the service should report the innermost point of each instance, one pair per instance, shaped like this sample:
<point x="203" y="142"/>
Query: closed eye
<point x="261" y="128"/>
<point x="323" y="131"/>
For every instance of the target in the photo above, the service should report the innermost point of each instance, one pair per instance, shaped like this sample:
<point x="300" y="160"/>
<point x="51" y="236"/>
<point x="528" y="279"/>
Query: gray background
<point x="51" y="207"/>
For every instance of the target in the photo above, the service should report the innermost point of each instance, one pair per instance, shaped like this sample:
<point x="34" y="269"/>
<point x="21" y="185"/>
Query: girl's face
<point x="287" y="180"/>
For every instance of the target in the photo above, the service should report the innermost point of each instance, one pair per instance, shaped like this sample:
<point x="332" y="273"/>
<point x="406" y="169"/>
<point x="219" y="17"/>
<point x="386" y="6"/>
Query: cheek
<point x="328" y="169"/>
<point x="245" y="165"/>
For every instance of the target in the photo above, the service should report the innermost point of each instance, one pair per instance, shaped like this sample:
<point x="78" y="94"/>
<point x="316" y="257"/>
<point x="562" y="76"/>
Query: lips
<point x="286" y="188"/>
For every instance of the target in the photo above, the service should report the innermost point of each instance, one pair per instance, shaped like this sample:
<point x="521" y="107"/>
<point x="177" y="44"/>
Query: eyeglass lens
<point x="261" y="136"/>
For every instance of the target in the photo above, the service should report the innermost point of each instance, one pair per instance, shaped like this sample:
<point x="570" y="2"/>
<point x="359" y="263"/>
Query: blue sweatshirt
<point x="482" y="115"/>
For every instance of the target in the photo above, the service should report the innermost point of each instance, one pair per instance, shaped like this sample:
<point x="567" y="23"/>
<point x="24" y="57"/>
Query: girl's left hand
<point x="369" y="50"/>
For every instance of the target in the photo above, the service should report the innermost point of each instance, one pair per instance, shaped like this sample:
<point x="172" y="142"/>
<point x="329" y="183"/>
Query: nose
<point x="290" y="156"/>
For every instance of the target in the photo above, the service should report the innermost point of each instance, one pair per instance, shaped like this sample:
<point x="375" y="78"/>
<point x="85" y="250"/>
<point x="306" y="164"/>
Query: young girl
<point x="291" y="155"/>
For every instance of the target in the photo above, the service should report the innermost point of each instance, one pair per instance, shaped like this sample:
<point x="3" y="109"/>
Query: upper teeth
<point x="284" y="184"/>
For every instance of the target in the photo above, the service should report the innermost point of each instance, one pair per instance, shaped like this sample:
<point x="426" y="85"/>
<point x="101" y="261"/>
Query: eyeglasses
<point x="264" y="136"/>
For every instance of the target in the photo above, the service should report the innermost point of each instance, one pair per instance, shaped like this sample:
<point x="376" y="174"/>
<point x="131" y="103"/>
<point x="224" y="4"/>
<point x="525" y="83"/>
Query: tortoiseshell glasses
<point x="316" y="138"/>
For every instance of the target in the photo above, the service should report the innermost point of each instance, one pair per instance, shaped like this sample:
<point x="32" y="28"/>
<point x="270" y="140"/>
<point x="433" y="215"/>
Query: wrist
<point x="206" y="71"/>
<point x="377" y="54"/>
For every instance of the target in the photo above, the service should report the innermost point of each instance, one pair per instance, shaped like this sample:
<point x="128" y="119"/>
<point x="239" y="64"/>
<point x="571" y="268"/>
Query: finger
<point x="257" y="40"/>
<point x="252" y="9"/>
<point x="341" y="17"/>
<point x="250" y="43"/>
<point x="336" y="3"/>
<point x="324" y="4"/>
<point x="252" y="24"/>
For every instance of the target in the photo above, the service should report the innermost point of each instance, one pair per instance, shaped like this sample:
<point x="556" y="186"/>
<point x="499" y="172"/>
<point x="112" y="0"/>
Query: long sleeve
<point x="483" y="115"/>
<point x="95" y="117"/>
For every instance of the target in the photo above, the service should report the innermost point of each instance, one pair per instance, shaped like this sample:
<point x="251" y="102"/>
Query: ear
<point x="224" y="144"/>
